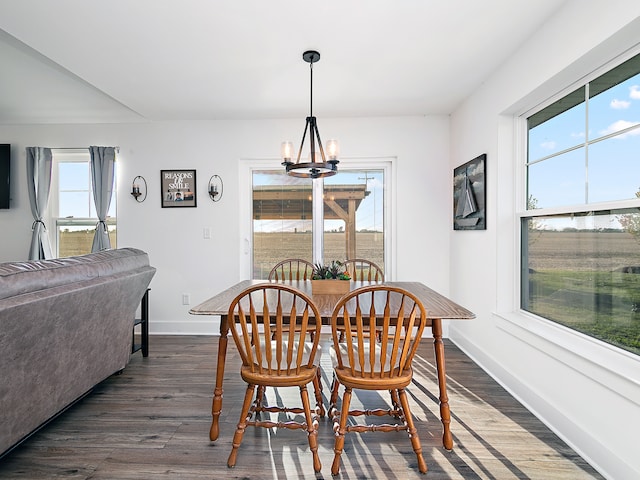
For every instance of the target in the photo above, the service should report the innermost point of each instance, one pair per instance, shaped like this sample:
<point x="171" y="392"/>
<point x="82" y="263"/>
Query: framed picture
<point x="178" y="188"/>
<point x="469" y="195"/>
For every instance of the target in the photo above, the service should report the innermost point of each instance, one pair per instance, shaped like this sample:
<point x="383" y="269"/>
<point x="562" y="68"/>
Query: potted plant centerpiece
<point x="332" y="279"/>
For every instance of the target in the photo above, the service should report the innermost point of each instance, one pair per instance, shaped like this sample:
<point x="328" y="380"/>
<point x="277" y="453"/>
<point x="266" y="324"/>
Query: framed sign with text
<point x="178" y="188"/>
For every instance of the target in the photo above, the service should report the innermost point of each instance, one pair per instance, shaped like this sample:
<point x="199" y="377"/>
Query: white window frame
<point x="79" y="155"/>
<point x="249" y="165"/>
<point x="562" y="335"/>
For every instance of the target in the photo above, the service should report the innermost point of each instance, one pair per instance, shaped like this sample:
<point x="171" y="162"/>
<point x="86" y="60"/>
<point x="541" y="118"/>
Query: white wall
<point x="587" y="392"/>
<point x="173" y="237"/>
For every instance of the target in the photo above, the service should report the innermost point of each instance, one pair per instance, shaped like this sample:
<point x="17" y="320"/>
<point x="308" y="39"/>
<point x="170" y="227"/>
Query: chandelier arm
<point x="312" y="140"/>
<point x="304" y="135"/>
<point x="317" y="134"/>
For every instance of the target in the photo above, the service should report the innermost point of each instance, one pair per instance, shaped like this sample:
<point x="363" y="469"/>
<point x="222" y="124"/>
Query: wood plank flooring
<point x="152" y="422"/>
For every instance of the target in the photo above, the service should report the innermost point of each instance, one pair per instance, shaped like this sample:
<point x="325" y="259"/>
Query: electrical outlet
<point x="206" y="233"/>
<point x="186" y="299"/>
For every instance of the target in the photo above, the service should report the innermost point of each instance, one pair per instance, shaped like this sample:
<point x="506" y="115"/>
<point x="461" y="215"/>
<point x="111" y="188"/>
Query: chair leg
<point x="339" y="433"/>
<point x="317" y="389"/>
<point x="257" y="406"/>
<point x="395" y="402"/>
<point x="242" y="424"/>
<point x="312" y="428"/>
<point x="333" y="400"/>
<point x="411" y="429"/>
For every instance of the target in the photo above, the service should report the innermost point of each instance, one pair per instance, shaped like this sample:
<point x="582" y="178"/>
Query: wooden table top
<point x="437" y="306"/>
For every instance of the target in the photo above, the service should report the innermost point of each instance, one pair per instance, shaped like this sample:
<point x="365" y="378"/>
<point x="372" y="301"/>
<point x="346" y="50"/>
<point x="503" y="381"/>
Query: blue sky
<point x="611" y="171"/>
<point x="76" y="198"/>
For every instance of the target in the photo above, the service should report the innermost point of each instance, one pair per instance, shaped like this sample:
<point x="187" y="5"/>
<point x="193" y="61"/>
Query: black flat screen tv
<point x="5" y="174"/>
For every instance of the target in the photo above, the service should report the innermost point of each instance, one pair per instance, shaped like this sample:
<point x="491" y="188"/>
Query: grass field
<point x="78" y="242"/>
<point x="589" y="281"/>
<point x="582" y="250"/>
<point x="270" y="248"/>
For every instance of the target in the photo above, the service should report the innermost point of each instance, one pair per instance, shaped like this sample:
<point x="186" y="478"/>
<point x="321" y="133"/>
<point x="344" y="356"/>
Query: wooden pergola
<point x="293" y="202"/>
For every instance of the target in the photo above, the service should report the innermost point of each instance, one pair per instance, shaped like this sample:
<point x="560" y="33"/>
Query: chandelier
<point x="318" y="164"/>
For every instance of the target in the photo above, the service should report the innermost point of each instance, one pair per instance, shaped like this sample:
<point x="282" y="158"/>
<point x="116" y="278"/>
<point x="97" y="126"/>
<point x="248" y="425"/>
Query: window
<point x="282" y="212"/>
<point x="581" y="229"/>
<point x="73" y="207"/>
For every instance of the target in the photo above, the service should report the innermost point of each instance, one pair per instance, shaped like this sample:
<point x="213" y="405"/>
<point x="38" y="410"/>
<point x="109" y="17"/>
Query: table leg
<point x="216" y="407"/>
<point x="445" y="415"/>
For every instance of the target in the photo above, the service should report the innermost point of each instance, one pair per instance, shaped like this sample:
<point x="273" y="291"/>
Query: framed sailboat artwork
<point x="469" y="195"/>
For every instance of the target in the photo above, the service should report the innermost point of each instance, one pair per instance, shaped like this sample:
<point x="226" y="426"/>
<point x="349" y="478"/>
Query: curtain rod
<point x="78" y="148"/>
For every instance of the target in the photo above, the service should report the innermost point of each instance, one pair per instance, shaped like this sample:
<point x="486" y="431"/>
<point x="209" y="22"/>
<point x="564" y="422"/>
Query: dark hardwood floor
<point x="152" y="421"/>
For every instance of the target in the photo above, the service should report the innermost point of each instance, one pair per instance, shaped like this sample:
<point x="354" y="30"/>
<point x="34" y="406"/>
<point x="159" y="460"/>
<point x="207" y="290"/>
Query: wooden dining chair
<point x="292" y="269"/>
<point x="361" y="269"/>
<point x="297" y="269"/>
<point x="269" y="323"/>
<point x="364" y="270"/>
<point x="361" y="362"/>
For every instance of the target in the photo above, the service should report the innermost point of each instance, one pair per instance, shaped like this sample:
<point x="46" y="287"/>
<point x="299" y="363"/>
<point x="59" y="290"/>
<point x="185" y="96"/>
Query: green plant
<point x="334" y="271"/>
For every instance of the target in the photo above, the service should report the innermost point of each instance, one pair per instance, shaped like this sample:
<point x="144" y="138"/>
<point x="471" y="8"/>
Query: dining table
<point x="438" y="307"/>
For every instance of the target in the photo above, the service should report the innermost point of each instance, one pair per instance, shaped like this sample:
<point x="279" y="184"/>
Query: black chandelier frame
<point x="311" y="169"/>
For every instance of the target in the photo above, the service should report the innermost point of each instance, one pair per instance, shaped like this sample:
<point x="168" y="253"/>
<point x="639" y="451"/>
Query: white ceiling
<point x="81" y="61"/>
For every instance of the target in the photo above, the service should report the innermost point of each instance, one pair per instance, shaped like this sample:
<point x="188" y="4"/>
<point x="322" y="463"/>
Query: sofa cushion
<point x="17" y="278"/>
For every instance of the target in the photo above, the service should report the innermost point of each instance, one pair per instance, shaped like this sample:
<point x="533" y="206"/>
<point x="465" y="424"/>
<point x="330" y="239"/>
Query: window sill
<point x="614" y="368"/>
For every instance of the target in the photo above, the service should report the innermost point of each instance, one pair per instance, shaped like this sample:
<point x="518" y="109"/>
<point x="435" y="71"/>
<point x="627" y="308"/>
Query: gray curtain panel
<point x="102" y="175"/>
<point x="39" y="162"/>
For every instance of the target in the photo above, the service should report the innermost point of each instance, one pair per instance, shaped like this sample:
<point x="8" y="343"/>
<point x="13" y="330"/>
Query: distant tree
<point x="630" y="222"/>
<point x="535" y="225"/>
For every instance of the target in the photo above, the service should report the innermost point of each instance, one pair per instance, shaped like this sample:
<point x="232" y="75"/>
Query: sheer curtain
<point x="39" y="162"/>
<point x="102" y="175"/>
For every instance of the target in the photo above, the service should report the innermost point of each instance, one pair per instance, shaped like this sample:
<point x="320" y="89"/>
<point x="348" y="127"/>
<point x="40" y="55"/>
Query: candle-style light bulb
<point x="333" y="150"/>
<point x="286" y="151"/>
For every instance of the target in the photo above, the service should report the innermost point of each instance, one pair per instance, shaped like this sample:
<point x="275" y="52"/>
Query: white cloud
<point x="619" y="104"/>
<point x="549" y="145"/>
<point x="577" y="135"/>
<point x="621" y="125"/>
<point x="634" y="92"/>
<point x="374" y="183"/>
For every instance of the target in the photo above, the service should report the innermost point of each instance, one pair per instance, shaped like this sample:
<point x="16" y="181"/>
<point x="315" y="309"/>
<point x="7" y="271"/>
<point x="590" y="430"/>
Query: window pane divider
<point x="580" y="209"/>
<point x="82" y="221"/>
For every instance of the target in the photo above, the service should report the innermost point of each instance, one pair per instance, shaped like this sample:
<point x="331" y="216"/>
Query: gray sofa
<point x="65" y="326"/>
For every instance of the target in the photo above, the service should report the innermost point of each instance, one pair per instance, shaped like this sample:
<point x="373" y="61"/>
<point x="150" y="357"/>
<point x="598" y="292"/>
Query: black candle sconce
<point x="215" y="188"/>
<point x="139" y="189"/>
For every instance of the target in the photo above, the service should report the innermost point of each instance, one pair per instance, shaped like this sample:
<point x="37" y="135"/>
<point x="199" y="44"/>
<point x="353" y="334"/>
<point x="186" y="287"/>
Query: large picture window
<point x="581" y="229"/>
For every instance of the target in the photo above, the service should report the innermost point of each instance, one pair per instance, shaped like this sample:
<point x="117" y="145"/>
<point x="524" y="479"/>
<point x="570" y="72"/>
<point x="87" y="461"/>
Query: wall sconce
<point x="215" y="188"/>
<point x="137" y="191"/>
